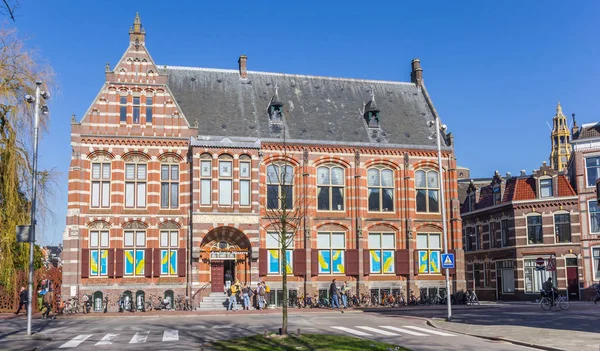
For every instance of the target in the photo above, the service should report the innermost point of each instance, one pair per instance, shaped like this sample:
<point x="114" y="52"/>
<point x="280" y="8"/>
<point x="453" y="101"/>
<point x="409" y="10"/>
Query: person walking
<point x="228" y="279"/>
<point x="333" y="290"/>
<point x="344" y="291"/>
<point x="260" y="292"/>
<point x="47" y="303"/>
<point x="23" y="299"/>
<point x="233" y="293"/>
<point x="246" y="291"/>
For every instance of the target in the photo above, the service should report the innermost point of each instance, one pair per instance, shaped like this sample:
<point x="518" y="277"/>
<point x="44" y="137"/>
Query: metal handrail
<point x="200" y="290"/>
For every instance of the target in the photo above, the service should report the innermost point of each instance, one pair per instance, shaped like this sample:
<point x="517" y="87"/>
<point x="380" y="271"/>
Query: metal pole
<point x="443" y="205"/>
<point x="33" y="203"/>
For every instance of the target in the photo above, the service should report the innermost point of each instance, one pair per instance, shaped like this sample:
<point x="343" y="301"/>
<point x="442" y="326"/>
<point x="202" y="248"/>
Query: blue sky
<point x="495" y="69"/>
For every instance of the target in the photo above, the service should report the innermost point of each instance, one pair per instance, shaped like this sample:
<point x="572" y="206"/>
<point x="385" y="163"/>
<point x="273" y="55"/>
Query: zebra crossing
<point x="169" y="335"/>
<point x="388" y="330"/>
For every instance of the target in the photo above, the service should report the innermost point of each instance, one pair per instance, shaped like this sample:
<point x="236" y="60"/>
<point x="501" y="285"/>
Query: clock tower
<point x="560" y="137"/>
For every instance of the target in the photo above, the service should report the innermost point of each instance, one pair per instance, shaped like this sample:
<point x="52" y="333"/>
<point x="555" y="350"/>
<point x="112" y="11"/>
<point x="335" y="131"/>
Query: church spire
<point x="137" y="33"/>
<point x="561" y="147"/>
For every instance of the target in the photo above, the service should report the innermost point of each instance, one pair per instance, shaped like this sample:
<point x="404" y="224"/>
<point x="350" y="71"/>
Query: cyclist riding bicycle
<point x="549" y="290"/>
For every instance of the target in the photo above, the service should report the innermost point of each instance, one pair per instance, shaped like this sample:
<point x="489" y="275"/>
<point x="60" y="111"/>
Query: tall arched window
<point x="381" y="190"/>
<point x="135" y="181"/>
<point x="330" y="188"/>
<point x="225" y="180"/>
<point x="245" y="180"/>
<point x="205" y="179"/>
<point x="169" y="183"/>
<point x="428" y="191"/>
<point x="280" y="186"/>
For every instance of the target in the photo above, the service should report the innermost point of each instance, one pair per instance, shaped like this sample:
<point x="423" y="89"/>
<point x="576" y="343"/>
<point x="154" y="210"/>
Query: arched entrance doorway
<point x="226" y="250"/>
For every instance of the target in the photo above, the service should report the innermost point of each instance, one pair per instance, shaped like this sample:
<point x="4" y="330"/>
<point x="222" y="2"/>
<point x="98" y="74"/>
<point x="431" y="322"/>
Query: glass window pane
<point x="128" y="238"/>
<point x="375" y="261"/>
<point x="244" y="169"/>
<point x="388" y="241"/>
<point x="164" y="239"/>
<point x="388" y="261"/>
<point x="129" y="262"/>
<point x="374" y="199"/>
<point x="140" y="239"/>
<point x="287" y="174"/>
<point x="106" y="171"/>
<point x="224" y="168"/>
<point x="421" y="241"/>
<point x="174" y="238"/>
<point x="141" y="172"/>
<point x="164" y="172"/>
<point x="387" y="178"/>
<point x="272" y="240"/>
<point x="373" y="177"/>
<point x="388" y="199"/>
<point x="206" y="192"/>
<point x="272" y="174"/>
<point x="323" y="198"/>
<point x="164" y="261"/>
<point x="130" y="172"/>
<point x="323" y="176"/>
<point x="324" y="261"/>
<point x="94" y="239"/>
<point x="164" y="195"/>
<point x="244" y="192"/>
<point x="95" y="194"/>
<point x="141" y="195"/>
<point x="338" y="240"/>
<point x="433" y="201"/>
<point x="432" y="179"/>
<point x="420" y="179"/>
<point x="421" y="200"/>
<point x="174" y="195"/>
<point x="323" y="241"/>
<point x="337" y="261"/>
<point x="95" y="171"/>
<point x="205" y="168"/>
<point x="175" y="172"/>
<point x="337" y="176"/>
<point x="273" y="261"/>
<point x="225" y="192"/>
<point x="434" y="241"/>
<point x="337" y="198"/>
<point x="374" y="241"/>
<point x="104" y="239"/>
<point x="129" y="194"/>
<point x="272" y="197"/>
<point x="105" y="194"/>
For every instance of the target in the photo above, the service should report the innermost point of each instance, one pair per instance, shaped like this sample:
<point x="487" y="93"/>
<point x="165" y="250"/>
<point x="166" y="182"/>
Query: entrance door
<point x="230" y="267"/>
<point x="573" y="283"/>
<point x="217" y="276"/>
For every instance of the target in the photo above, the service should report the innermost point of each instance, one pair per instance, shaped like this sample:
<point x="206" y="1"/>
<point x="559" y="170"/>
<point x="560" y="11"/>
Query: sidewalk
<point x="543" y="338"/>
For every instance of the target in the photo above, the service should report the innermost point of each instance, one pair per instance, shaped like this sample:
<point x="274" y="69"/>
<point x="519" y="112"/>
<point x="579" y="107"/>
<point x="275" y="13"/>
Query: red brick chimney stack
<point x="242" y="63"/>
<point x="416" y="75"/>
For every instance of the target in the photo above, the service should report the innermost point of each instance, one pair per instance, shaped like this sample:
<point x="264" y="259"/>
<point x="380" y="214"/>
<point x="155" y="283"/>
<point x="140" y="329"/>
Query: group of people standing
<point x="44" y="300"/>
<point x="257" y="297"/>
<point x="335" y="294"/>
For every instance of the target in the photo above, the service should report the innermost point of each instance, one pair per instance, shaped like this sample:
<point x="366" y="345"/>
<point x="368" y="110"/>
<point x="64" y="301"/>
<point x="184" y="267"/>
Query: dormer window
<point x="497" y="195"/>
<point x="275" y="113"/>
<point x="471" y="201"/>
<point x="546" y="188"/>
<point x="371" y="114"/>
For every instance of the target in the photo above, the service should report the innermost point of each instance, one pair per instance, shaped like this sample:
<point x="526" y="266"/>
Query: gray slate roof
<point x="315" y="108"/>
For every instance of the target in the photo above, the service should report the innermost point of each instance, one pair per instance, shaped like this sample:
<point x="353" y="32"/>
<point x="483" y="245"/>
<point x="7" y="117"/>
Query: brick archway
<point x="227" y="251"/>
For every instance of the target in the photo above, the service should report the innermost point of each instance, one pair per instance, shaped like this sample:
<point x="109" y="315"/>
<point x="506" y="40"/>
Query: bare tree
<point x="8" y="8"/>
<point x="285" y="210"/>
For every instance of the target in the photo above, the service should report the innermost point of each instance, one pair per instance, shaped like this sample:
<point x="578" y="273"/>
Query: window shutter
<point x="262" y="262"/>
<point x="181" y="256"/>
<point x="314" y="262"/>
<point x="452" y="270"/>
<point x="148" y="263"/>
<point x="119" y="268"/>
<point x="416" y="261"/>
<point x="402" y="262"/>
<point x="366" y="263"/>
<point x="111" y="263"/>
<point x="156" y="263"/>
<point x="299" y="262"/>
<point x="85" y="263"/>
<point x="352" y="262"/>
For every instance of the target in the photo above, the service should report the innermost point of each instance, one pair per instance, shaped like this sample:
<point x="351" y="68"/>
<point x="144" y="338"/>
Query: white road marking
<point x="405" y="331"/>
<point x="171" y="335"/>
<point x="378" y="331"/>
<point x="226" y="326"/>
<point x="107" y="339"/>
<point x="428" y="330"/>
<point x="139" y="338"/>
<point x="75" y="341"/>
<point x="352" y="331"/>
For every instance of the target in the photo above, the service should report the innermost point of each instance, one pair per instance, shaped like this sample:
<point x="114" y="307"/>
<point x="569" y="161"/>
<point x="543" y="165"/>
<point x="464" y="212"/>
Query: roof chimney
<point x="508" y="175"/>
<point x="523" y="173"/>
<point x="416" y="76"/>
<point x="575" y="129"/>
<point x="242" y="63"/>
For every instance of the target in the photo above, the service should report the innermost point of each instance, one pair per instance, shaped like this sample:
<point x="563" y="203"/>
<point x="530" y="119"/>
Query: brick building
<point x="511" y="222"/>
<point x="172" y="176"/>
<point x="584" y="170"/>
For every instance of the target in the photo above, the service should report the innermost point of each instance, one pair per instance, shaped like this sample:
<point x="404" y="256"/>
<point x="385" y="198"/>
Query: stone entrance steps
<point x="213" y="302"/>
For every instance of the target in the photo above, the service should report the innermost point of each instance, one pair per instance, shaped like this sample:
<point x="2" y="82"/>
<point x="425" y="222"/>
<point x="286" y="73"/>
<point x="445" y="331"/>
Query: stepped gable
<point x="314" y="108"/>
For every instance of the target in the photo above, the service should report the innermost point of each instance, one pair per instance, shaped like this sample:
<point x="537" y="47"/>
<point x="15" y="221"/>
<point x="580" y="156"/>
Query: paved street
<point x="177" y="332"/>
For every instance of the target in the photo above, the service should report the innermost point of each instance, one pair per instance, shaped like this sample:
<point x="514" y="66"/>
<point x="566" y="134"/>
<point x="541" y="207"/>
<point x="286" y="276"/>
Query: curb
<point x="498" y="338"/>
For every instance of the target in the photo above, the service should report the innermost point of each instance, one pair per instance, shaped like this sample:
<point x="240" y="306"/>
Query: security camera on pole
<point x="445" y="256"/>
<point x="44" y="109"/>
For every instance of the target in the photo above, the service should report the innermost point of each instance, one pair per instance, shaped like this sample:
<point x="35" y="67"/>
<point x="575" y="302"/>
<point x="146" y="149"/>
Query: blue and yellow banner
<point x="434" y="262"/>
<point x="388" y="261"/>
<point x="129" y="262"/>
<point x="338" y="261"/>
<point x="324" y="261"/>
<point x="139" y="262"/>
<point x="94" y="262"/>
<point x="423" y="262"/>
<point x="168" y="262"/>
<point x="375" y="261"/>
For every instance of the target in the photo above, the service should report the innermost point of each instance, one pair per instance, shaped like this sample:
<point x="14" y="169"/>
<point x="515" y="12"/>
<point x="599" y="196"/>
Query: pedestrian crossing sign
<point x="447" y="261"/>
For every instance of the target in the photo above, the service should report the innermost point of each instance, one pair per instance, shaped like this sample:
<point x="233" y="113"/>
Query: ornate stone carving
<point x="134" y="225"/>
<point x="101" y="157"/>
<point x="99" y="225"/>
<point x="135" y="158"/>
<point x="168" y="225"/>
<point x="225" y="219"/>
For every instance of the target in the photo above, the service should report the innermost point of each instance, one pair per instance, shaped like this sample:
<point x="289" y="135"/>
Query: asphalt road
<point x="173" y="332"/>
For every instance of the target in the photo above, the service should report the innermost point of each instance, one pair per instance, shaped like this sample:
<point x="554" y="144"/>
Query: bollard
<point x="298" y="332"/>
<point x="265" y="333"/>
<point x="280" y="331"/>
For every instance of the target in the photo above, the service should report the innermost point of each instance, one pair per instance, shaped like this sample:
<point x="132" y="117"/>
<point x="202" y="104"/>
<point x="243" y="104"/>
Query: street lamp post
<point x="44" y="109"/>
<point x="436" y="123"/>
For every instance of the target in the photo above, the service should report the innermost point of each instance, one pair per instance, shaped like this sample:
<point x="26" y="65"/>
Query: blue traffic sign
<point x="447" y="261"/>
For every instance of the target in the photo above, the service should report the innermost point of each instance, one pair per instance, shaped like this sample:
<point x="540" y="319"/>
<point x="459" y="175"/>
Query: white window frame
<point x="542" y="187"/>
<point x="504" y="236"/>
<point x="330" y="186"/>
<point x="500" y="269"/>
<point x="595" y="255"/>
<point x="330" y="247"/>
<point x="282" y="170"/>
<point x="103" y="182"/>
<point x="170" y="245"/>
<point x="272" y="242"/>
<point x="430" y="249"/>
<point x="225" y="181"/>
<point x="587" y="185"/>
<point x="541" y="224"/>
<point x="497" y="190"/>
<point x="136" y="181"/>
<point x="562" y="213"/>
<point x="100" y="244"/>
<point x="206" y="181"/>
<point x="380" y="248"/>
<point x="245" y="180"/>
<point x="172" y="182"/>
<point x="427" y="188"/>
<point x="134" y="247"/>
<point x="537" y="277"/>
<point x="589" y="216"/>
<point x="381" y="189"/>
